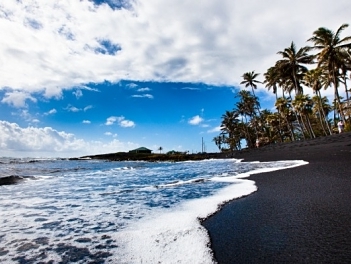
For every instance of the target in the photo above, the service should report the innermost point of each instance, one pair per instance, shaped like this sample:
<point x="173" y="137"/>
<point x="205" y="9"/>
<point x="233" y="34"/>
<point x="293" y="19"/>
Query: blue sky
<point x="88" y="77"/>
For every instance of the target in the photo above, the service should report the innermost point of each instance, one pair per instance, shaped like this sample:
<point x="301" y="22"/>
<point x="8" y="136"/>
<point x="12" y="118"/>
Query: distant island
<point x="153" y="157"/>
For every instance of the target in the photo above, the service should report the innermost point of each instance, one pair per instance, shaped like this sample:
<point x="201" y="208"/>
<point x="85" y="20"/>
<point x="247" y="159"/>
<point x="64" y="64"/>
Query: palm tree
<point x="250" y="80"/>
<point x="272" y="79"/>
<point x="246" y="108"/>
<point x="274" y="126"/>
<point x="313" y="79"/>
<point x="284" y="107"/>
<point x="160" y="149"/>
<point x="218" y="140"/>
<point x="320" y="108"/>
<point x="330" y="47"/>
<point x="303" y="106"/>
<point x="229" y="126"/>
<point x="291" y="66"/>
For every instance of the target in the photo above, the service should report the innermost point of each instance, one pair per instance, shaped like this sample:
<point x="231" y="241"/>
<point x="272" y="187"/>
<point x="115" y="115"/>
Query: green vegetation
<point x="298" y="115"/>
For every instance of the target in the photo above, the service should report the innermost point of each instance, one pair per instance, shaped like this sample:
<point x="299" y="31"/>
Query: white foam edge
<point x="176" y="235"/>
<point x="296" y="163"/>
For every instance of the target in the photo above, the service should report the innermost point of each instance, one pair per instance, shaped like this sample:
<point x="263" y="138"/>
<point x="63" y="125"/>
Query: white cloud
<point x="24" y="114"/>
<point x="146" y="89"/>
<point x="13" y="137"/>
<point x="131" y="85"/>
<point x="78" y="93"/>
<point x="87" y="108"/>
<point x="111" y="120"/>
<point x="58" y="45"/>
<point x="17" y="98"/>
<point x="16" y="141"/>
<point x="71" y="108"/>
<point x="191" y="88"/>
<point x="126" y="123"/>
<point x="51" y="112"/>
<point x="196" y="120"/>
<point x="110" y="134"/>
<point x="122" y="122"/>
<point x="215" y="130"/>
<point x="86" y="122"/>
<point x="150" y="96"/>
<point x="83" y="87"/>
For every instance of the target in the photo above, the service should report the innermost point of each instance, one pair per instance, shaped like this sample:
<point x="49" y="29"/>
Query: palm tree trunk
<point x="322" y="112"/>
<point x="310" y="126"/>
<point x="347" y="97"/>
<point x="338" y="99"/>
<point x="291" y="128"/>
<point x="298" y="121"/>
<point x="303" y="127"/>
<point x="321" y="121"/>
<point x="247" y="134"/>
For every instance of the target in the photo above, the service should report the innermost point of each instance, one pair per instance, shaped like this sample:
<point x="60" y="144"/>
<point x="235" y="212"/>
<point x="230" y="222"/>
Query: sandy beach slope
<point x="299" y="215"/>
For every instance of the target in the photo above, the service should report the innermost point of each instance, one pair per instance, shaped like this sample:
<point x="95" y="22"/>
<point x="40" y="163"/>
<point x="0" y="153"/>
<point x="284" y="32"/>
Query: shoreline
<point x="298" y="215"/>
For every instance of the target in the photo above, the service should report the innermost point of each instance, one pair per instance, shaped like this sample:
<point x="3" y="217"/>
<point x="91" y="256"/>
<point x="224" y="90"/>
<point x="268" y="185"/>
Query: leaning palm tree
<point x="303" y="104"/>
<point x="291" y="65"/>
<point x="313" y="79"/>
<point x="272" y="79"/>
<point x="319" y="105"/>
<point x="330" y="46"/>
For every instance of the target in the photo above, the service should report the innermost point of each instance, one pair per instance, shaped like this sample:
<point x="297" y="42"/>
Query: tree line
<point x="323" y="65"/>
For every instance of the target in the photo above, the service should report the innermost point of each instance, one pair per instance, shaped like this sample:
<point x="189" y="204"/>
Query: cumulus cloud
<point x="58" y="45"/>
<point x="122" y="122"/>
<point x="111" y="120"/>
<point x="17" y="141"/>
<point x="196" y="120"/>
<point x="126" y="123"/>
<point x="17" y="98"/>
<point x="86" y="122"/>
<point x="13" y="137"/>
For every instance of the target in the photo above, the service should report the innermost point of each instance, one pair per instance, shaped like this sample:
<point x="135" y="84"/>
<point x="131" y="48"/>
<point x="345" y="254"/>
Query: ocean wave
<point x="177" y="183"/>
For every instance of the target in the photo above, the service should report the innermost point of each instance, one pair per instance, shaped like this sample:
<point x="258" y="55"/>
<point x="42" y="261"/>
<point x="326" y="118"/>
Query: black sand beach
<point x="298" y="215"/>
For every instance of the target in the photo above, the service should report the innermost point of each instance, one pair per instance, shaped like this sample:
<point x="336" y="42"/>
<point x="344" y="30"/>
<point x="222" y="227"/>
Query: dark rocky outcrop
<point x="13" y="179"/>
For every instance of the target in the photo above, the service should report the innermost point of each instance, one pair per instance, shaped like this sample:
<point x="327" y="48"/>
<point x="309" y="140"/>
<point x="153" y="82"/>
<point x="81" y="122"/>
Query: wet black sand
<point x="298" y="215"/>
